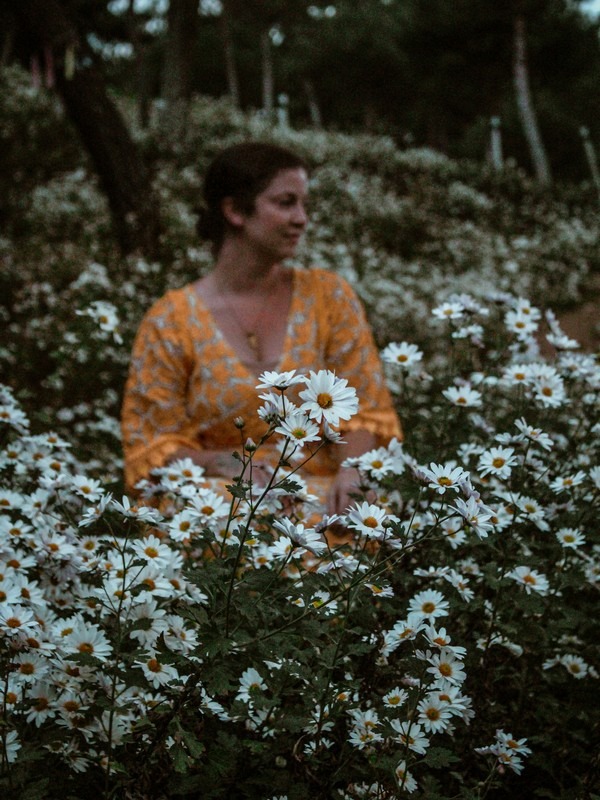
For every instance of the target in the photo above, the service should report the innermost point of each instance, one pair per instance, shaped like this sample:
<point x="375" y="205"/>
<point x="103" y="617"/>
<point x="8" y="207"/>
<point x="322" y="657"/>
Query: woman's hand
<point x="345" y="483"/>
<point x="347" y="480"/>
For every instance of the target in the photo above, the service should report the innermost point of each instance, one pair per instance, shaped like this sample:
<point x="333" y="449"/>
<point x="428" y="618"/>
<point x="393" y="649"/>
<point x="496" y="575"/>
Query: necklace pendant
<point x="252" y="340"/>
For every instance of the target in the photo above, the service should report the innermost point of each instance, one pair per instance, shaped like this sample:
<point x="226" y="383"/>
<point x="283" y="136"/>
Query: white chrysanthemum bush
<point x="443" y="645"/>
<point x="197" y="642"/>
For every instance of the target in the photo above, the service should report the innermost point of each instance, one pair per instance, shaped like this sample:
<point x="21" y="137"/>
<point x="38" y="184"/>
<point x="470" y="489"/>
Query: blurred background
<point x="454" y="148"/>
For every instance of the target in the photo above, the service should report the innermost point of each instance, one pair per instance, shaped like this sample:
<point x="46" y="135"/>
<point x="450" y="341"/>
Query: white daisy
<point x="446" y="666"/>
<point x="156" y="672"/>
<point x="448" y="311"/>
<point x="570" y="538"/>
<point x="404" y="355"/>
<point x="305" y="539"/>
<point x="463" y="396"/>
<point x="430" y="604"/>
<point x="406" y="782"/>
<point x="279" y="380"/>
<point x="442" y="477"/>
<point x="251" y="683"/>
<point x="411" y="735"/>
<point x="433" y="714"/>
<point x="298" y="428"/>
<point x="535" y="435"/>
<point x="329" y="398"/>
<point x="532" y="580"/>
<point x="368" y="520"/>
<point x="395" y="698"/>
<point x="497" y="461"/>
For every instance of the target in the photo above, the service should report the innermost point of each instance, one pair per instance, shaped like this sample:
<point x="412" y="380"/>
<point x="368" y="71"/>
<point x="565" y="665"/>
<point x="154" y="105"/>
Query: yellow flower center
<point x="498" y="462"/>
<point x="325" y="400"/>
<point x="370" y="522"/>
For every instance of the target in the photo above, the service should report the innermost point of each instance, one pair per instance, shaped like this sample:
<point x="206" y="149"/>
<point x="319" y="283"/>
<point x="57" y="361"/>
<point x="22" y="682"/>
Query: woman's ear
<point x="231" y="213"/>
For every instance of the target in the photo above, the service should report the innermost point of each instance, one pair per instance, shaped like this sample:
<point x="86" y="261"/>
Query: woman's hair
<point x="241" y="172"/>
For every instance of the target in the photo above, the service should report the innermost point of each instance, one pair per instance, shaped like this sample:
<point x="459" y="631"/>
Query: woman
<point x="200" y="349"/>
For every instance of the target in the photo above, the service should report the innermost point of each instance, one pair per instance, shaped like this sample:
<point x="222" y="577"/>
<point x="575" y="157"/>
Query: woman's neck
<point x="240" y="273"/>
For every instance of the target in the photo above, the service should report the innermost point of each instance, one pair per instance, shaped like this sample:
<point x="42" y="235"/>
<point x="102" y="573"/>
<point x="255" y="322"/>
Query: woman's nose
<point x="300" y="214"/>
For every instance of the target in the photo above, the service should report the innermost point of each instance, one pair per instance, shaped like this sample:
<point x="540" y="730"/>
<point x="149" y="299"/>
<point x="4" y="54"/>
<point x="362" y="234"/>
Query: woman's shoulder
<point x="325" y="279"/>
<point x="172" y="302"/>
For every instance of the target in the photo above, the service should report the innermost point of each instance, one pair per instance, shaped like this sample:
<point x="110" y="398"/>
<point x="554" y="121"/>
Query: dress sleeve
<point x="351" y="352"/>
<point x="155" y="420"/>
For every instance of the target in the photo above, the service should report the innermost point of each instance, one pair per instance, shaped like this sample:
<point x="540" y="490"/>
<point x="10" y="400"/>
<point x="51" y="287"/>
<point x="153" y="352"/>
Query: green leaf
<point x="439" y="757"/>
<point x="237" y="490"/>
<point x="180" y="758"/>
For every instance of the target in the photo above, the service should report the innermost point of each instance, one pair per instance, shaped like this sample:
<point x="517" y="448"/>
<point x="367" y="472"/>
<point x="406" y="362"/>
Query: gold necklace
<point x="250" y="331"/>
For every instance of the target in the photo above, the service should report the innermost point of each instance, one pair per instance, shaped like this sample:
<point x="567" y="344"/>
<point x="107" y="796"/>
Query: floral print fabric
<point x="186" y="384"/>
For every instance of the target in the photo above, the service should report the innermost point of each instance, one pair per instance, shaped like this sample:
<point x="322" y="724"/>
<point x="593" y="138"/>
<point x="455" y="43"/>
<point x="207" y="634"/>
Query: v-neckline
<point x="227" y="344"/>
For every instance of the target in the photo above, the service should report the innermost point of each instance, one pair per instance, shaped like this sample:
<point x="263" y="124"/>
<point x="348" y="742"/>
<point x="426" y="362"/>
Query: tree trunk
<point x="313" y="104"/>
<point x="45" y="27"/>
<point x="233" y="83"/>
<point x="123" y="175"/>
<point x="7" y="26"/>
<point x="143" y="83"/>
<point x="182" y="19"/>
<point x="268" y="88"/>
<point x="525" y="104"/>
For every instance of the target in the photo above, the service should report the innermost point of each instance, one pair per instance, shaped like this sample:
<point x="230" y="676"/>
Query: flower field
<point x="220" y="647"/>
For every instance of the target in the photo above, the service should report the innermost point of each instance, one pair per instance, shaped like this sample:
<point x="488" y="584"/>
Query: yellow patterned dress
<point x="186" y="384"/>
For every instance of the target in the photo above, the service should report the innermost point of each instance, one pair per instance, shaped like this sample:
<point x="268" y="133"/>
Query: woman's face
<point x="279" y="217"/>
